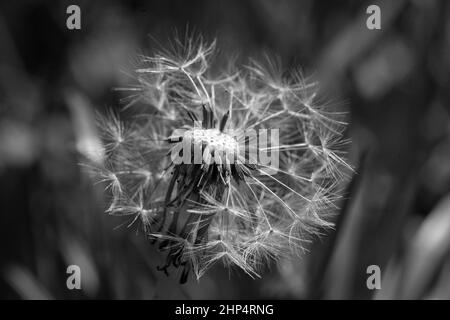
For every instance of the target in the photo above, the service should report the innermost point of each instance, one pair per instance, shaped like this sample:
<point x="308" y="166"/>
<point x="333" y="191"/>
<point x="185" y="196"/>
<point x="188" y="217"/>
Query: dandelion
<point x="241" y="168"/>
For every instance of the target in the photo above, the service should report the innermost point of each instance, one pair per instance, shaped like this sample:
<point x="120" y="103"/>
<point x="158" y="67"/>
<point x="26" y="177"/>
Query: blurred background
<point x="394" y="83"/>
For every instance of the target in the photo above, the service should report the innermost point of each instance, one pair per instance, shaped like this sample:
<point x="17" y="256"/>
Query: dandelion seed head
<point x="242" y="211"/>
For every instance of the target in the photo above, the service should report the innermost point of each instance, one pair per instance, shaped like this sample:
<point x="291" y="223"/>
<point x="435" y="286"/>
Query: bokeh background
<point x="394" y="83"/>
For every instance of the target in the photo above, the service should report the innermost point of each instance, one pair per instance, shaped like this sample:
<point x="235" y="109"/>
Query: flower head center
<point x="213" y="139"/>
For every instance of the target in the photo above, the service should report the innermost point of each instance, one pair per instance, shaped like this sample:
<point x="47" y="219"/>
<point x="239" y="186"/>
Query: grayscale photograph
<point x="225" y="156"/>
